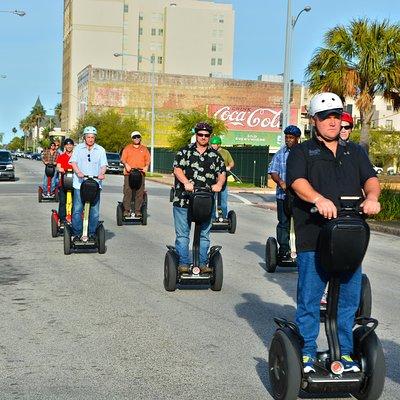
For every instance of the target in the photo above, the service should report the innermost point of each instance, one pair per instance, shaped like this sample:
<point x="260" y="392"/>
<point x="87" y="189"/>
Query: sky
<point x="31" y="46"/>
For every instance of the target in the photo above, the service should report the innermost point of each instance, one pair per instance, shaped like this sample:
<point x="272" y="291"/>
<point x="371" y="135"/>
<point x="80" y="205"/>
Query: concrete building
<point x="250" y="109"/>
<point x="188" y="37"/>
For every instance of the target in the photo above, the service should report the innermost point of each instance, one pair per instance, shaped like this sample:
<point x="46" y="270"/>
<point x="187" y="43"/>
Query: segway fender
<point x="214" y="250"/>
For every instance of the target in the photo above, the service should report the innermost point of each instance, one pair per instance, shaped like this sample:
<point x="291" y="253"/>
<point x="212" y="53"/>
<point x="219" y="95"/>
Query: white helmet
<point x="90" y="130"/>
<point x="329" y="102"/>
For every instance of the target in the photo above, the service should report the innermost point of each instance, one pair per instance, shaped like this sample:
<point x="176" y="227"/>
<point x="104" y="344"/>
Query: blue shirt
<point x="89" y="162"/>
<point x="278" y="165"/>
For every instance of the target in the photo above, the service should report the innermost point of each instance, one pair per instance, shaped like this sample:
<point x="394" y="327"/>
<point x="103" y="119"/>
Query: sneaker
<point x="138" y="214"/>
<point x="76" y="239"/>
<point x="349" y="364"/>
<point x="127" y="213"/>
<point x="205" y="269"/>
<point x="183" y="268"/>
<point x="308" y="364"/>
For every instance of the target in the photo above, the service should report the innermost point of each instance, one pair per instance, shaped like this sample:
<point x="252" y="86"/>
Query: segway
<point x="273" y="258"/>
<point x="200" y="210"/>
<point x="57" y="228"/>
<point x="135" y="182"/>
<point x="342" y="245"/>
<point x="220" y="223"/>
<point x="89" y="191"/>
<point x="49" y="170"/>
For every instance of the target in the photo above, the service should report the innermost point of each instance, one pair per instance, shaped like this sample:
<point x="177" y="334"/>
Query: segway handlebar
<point x="348" y="203"/>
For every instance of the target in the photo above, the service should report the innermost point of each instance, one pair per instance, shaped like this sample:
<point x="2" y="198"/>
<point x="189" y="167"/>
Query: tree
<point x="16" y="143"/>
<point x="186" y="123"/>
<point x="58" y="111"/>
<point x="113" y="129"/>
<point x="360" y="61"/>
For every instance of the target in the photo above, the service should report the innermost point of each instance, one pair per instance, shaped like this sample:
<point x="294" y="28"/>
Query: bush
<point x="390" y="204"/>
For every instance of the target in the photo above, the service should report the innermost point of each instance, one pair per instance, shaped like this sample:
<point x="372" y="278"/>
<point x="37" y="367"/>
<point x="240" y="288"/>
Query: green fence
<point x="251" y="163"/>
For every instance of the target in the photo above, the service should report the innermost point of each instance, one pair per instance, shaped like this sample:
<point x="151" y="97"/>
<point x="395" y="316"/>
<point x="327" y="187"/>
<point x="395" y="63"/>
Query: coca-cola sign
<point x="250" y="118"/>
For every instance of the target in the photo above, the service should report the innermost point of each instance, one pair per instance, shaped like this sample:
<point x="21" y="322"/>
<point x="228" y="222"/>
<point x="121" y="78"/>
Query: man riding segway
<point x="135" y="156"/>
<point x="88" y="159"/>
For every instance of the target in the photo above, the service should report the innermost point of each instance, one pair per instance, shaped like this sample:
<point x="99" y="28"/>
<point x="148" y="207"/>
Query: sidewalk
<point x="390" y="227"/>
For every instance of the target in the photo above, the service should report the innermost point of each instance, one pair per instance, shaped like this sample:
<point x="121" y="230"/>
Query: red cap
<point x="347" y="117"/>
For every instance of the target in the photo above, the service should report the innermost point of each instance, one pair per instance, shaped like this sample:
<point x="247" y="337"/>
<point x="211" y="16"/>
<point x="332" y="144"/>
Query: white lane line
<point x="242" y="199"/>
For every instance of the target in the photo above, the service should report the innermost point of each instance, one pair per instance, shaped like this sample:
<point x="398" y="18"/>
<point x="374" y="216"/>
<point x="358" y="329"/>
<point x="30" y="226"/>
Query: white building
<point x="188" y="37"/>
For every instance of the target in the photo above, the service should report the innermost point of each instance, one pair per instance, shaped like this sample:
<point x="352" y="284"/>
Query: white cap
<point x="135" y="133"/>
<point x="325" y="102"/>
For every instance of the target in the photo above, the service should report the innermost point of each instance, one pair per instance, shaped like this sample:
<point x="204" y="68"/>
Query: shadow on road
<point x="392" y="353"/>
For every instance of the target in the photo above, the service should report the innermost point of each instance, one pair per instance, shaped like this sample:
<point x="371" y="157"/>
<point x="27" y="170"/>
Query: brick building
<point x="250" y="109"/>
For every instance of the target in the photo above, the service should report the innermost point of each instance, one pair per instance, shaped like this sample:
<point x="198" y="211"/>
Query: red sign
<point x="239" y="118"/>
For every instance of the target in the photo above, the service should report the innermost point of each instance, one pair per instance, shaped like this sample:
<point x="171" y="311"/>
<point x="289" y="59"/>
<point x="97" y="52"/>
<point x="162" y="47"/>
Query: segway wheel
<point x="365" y="308"/>
<point x="170" y="272"/>
<point x="232" y="221"/>
<point x="271" y="254"/>
<point x="284" y="367"/>
<point x="144" y="210"/>
<point x="101" y="239"/>
<point x="67" y="240"/>
<point x="171" y="194"/>
<point x="218" y="272"/>
<point x="375" y="368"/>
<point x="119" y="214"/>
<point x="40" y="194"/>
<point x="54" y="226"/>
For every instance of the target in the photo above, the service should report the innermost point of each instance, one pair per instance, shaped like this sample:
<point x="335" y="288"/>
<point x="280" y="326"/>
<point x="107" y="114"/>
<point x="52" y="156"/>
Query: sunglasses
<point x="348" y="127"/>
<point x="88" y="157"/>
<point x="204" y="135"/>
<point x="136" y="137"/>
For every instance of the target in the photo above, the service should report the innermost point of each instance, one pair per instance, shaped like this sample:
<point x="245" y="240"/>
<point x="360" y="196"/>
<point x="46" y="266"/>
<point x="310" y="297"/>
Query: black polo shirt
<point x="333" y="177"/>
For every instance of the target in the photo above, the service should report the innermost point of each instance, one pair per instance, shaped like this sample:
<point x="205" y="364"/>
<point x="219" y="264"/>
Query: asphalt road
<point x="90" y="326"/>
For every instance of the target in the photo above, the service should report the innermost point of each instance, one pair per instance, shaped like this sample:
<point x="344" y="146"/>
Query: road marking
<point x="242" y="199"/>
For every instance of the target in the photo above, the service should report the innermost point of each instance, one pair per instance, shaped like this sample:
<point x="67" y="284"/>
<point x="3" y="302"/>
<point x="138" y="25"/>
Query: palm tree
<point x="26" y="126"/>
<point x="359" y="61"/>
<point x="58" y="111"/>
<point x="38" y="112"/>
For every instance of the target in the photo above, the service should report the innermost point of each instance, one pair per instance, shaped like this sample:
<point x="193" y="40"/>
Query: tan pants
<point x="128" y="193"/>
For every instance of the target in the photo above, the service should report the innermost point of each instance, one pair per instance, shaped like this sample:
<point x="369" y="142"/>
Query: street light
<point x="152" y="60"/>
<point x="16" y="12"/>
<point x="290" y="24"/>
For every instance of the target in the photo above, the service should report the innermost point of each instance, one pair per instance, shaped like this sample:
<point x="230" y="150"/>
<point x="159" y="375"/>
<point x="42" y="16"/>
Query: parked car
<point x="36" y="156"/>
<point x="391" y="171"/>
<point x="6" y="166"/>
<point x="114" y="163"/>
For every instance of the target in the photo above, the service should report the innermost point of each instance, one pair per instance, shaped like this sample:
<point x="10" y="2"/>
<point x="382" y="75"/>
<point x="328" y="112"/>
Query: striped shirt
<point x="278" y="165"/>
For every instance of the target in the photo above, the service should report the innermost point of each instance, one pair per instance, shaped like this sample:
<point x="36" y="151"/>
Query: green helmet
<point x="216" y="140"/>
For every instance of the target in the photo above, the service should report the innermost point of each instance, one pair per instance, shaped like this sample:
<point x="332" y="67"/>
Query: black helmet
<point x="203" y="126"/>
<point x="292" y="130"/>
<point x="68" y="141"/>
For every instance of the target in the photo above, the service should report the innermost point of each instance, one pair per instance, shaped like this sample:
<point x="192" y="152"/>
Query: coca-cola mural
<point x="251" y="125"/>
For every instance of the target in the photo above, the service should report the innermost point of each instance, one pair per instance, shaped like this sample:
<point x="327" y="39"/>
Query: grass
<point x="153" y="175"/>
<point x="390" y="205"/>
<point x="240" y="185"/>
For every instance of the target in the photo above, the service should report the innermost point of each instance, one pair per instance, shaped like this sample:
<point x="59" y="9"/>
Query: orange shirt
<point x="135" y="157"/>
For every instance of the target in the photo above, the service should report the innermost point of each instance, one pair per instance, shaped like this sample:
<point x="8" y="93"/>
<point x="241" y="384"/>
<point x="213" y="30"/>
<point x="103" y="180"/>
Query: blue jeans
<point x="282" y="229"/>
<point x="77" y="221"/>
<point x="310" y="288"/>
<point x="182" y="232"/>
<point x="54" y="181"/>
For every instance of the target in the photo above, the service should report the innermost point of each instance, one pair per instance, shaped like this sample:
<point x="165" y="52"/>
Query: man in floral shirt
<point x="195" y="166"/>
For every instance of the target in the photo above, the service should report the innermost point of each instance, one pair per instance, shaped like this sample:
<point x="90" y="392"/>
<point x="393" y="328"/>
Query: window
<point x="389" y="108"/>
<point x="159" y="59"/>
<point x="160" y="32"/>
<point x="219" y="61"/>
<point x="140" y="16"/>
<point x="213" y="47"/>
<point x="389" y="124"/>
<point x="221" y="19"/>
<point x="140" y="59"/>
<point x="153" y="31"/>
<point x="213" y="61"/>
<point x="140" y="31"/>
<point x="126" y="8"/>
<point x="153" y="58"/>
